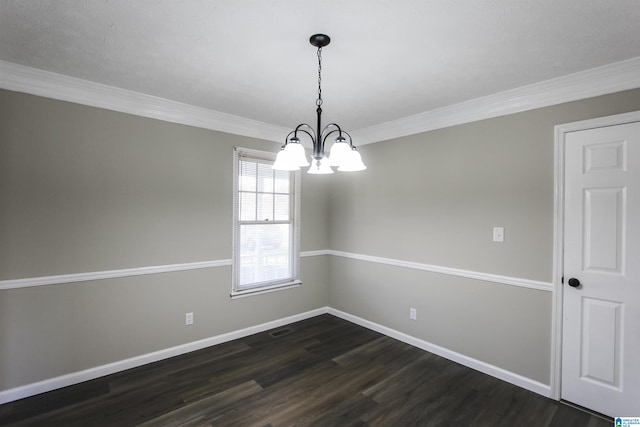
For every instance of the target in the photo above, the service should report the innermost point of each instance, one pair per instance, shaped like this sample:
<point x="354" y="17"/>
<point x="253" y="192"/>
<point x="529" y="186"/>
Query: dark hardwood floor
<point x="322" y="371"/>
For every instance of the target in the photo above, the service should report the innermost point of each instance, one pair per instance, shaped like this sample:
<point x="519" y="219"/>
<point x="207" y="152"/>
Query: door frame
<point x="560" y="132"/>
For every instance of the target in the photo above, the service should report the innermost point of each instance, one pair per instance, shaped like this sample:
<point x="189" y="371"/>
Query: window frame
<point x="259" y="156"/>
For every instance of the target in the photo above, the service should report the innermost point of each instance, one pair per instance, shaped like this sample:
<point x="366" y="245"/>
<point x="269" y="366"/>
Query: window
<point x="265" y="224"/>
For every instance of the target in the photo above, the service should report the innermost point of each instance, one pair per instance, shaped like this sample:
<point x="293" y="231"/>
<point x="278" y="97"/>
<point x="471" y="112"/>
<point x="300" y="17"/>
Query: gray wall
<point x="83" y="190"/>
<point x="433" y="198"/>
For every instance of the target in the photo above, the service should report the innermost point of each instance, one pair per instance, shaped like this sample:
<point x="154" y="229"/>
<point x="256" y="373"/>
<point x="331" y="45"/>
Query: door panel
<point x="603" y="229"/>
<point x="601" y="316"/>
<point x="601" y="344"/>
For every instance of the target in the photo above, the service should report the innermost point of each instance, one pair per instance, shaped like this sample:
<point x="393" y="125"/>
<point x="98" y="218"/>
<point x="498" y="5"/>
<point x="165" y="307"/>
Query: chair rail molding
<point x="138" y="271"/>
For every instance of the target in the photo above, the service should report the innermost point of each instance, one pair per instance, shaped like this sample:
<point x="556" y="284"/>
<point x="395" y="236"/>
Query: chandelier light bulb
<point x="320" y="167"/>
<point x="285" y="162"/>
<point x="339" y="151"/>
<point x="297" y="154"/>
<point x="353" y="162"/>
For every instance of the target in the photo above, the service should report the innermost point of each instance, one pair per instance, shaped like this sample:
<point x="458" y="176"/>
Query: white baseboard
<point x="111" y="368"/>
<point x="486" y="368"/>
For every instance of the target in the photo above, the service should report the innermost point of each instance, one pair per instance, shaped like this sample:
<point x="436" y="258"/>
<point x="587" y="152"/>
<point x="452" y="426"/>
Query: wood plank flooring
<point x="323" y="371"/>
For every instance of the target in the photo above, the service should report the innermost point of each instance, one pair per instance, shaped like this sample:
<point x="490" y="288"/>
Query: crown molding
<point x="20" y="78"/>
<point x="611" y="78"/>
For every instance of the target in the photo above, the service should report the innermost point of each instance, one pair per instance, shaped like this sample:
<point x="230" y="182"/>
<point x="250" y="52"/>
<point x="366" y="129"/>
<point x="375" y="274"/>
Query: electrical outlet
<point x="188" y="319"/>
<point x="413" y="314"/>
<point x="498" y="234"/>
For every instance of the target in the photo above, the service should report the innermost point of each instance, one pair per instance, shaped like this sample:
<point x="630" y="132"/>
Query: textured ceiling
<point x="251" y="58"/>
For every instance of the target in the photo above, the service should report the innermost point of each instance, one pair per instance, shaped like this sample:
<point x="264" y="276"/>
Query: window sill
<point x="264" y="290"/>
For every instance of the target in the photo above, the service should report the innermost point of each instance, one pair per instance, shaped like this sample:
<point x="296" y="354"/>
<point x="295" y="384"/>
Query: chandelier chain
<point x="319" y="100"/>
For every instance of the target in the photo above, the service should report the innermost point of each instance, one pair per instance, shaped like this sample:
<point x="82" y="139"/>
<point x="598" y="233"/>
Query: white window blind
<point x="266" y="231"/>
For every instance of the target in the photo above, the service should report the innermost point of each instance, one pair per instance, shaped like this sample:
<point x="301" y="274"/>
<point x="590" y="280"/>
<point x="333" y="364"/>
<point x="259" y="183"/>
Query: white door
<point x="601" y="314"/>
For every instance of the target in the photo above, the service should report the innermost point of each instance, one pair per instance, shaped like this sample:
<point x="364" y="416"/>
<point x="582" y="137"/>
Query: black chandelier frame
<point x="320" y="135"/>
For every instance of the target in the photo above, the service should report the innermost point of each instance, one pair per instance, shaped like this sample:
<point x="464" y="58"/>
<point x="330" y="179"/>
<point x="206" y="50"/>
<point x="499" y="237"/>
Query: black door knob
<point x="574" y="283"/>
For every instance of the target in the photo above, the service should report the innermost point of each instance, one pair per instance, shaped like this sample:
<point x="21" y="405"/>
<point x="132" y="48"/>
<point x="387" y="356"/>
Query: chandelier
<point x="343" y="154"/>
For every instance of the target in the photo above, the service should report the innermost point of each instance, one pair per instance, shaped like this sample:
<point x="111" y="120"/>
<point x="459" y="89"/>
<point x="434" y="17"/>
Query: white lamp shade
<point x="285" y="162"/>
<point x="296" y="151"/>
<point x="353" y="162"/>
<point x="320" y="167"/>
<point x="339" y="153"/>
